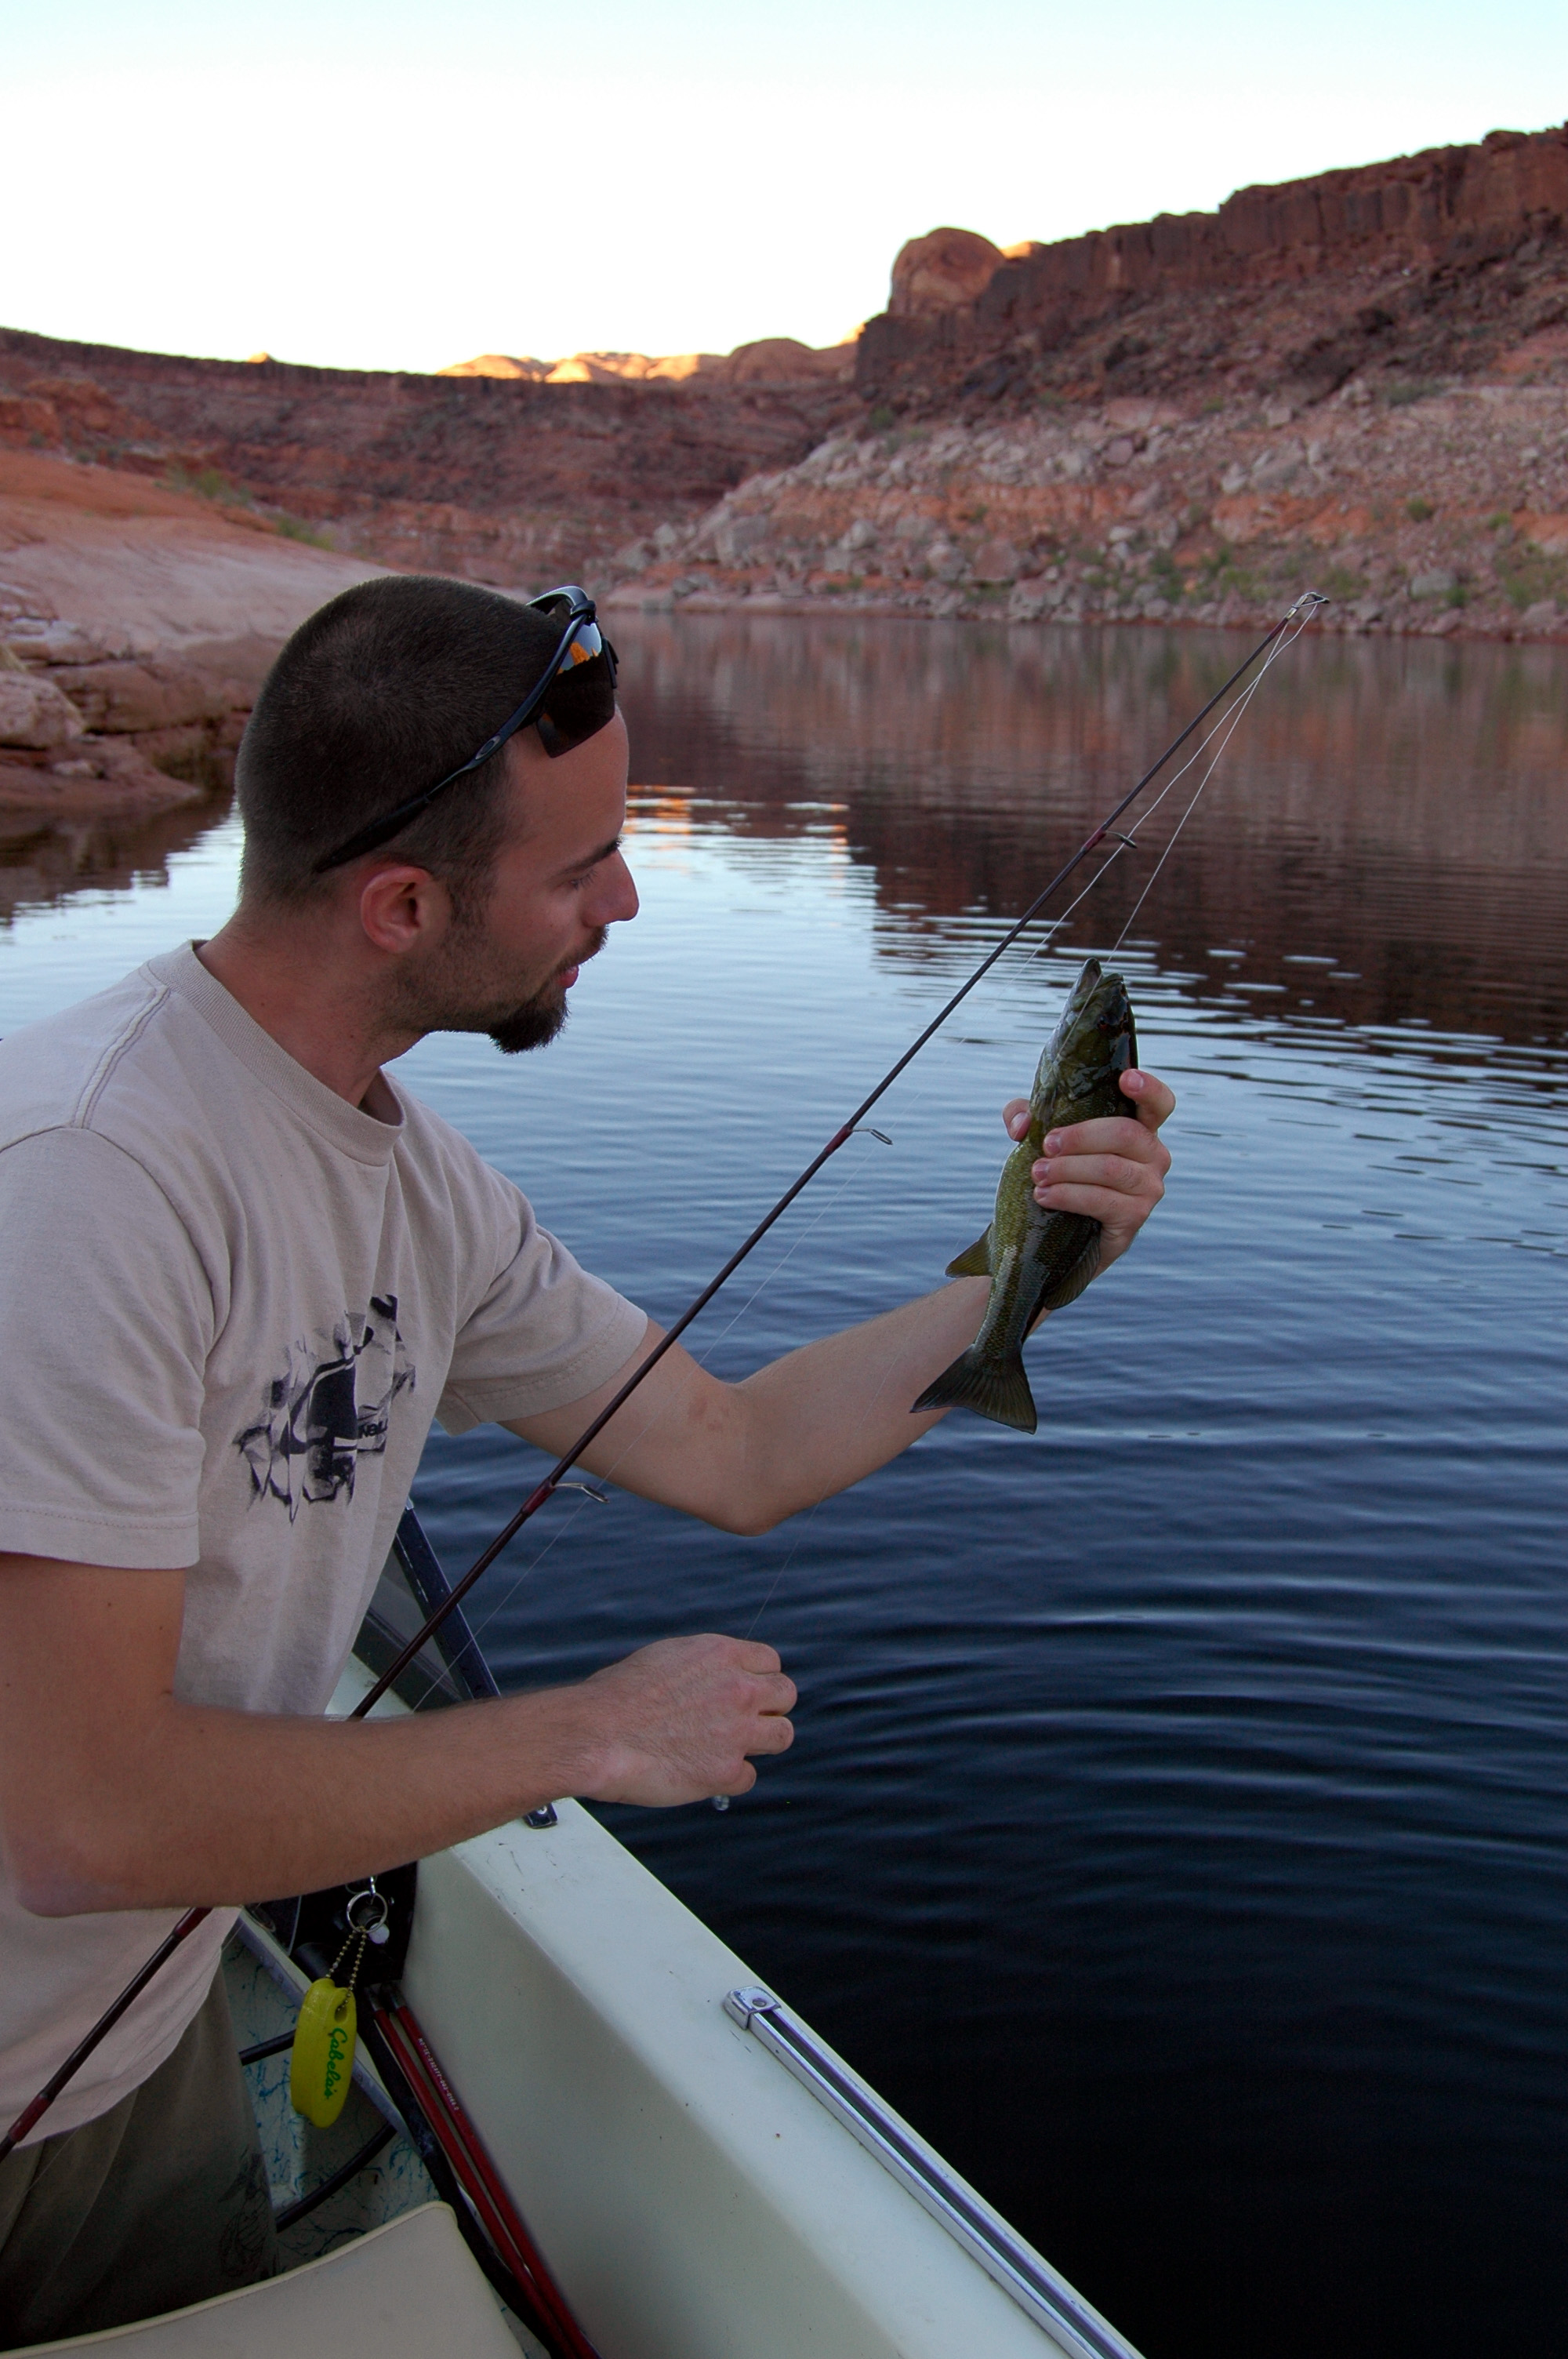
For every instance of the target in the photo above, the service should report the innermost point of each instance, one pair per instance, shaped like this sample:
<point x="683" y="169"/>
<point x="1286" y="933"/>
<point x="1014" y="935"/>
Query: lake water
<point x="1175" y="1830"/>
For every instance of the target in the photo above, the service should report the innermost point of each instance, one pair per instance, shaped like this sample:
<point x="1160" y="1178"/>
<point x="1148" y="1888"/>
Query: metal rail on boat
<point x="984" y="2234"/>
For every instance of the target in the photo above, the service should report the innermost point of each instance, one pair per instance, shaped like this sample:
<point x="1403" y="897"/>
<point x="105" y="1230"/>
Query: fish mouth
<point x="1100" y="996"/>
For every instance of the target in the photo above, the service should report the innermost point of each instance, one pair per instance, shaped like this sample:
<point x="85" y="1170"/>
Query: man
<point x="243" y="1271"/>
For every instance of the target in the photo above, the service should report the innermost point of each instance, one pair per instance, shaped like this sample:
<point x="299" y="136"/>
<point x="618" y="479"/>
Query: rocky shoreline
<point x="1444" y="515"/>
<point x="135" y="626"/>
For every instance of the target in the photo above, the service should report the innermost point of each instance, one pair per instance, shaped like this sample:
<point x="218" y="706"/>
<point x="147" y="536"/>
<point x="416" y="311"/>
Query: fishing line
<point x="1224" y="733"/>
<point x="1305" y="607"/>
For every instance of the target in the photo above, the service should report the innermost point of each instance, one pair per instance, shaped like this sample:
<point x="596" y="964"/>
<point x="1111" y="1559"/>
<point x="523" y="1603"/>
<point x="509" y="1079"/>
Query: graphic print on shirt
<point x="328" y="1409"/>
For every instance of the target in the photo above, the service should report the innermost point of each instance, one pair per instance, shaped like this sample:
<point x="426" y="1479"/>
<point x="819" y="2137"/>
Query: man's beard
<point x="534" y="1022"/>
<point x="533" y="1025"/>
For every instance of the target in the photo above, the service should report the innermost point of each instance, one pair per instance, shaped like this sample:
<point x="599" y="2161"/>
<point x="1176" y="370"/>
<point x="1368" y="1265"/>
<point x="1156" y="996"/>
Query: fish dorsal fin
<point x="976" y="1262"/>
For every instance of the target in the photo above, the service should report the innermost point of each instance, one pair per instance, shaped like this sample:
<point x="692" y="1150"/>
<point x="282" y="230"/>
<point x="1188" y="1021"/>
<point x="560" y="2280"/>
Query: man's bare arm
<point x="113" y="1795"/>
<point x="744" y="1456"/>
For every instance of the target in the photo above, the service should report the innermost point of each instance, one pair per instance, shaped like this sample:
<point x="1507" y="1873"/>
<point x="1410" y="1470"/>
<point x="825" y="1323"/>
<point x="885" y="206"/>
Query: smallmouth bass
<point x="1038" y="1260"/>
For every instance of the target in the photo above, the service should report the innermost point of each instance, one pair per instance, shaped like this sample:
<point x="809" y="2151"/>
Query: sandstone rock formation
<point x="504" y="364"/>
<point x="1390" y="252"/>
<point x="1358" y="379"/>
<point x="1443" y="515"/>
<point x="1359" y="382"/>
<point x="941" y="271"/>
<point x="774" y="361"/>
<point x="34" y="714"/>
<point x="135" y="623"/>
<point x="508" y="480"/>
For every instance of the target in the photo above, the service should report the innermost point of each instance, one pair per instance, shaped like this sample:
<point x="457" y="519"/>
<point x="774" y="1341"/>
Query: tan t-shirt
<point x="230" y="1304"/>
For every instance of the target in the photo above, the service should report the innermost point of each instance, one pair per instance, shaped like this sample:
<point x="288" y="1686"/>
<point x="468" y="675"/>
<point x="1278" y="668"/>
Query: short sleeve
<point x="106" y="1321"/>
<point x="544" y="1333"/>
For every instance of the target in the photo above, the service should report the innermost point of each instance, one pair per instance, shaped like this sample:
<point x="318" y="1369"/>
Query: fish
<point x="1038" y="1260"/>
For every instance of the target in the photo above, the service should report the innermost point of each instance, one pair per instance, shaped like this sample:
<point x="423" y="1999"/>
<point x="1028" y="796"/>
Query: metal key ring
<point x="369" y="1920"/>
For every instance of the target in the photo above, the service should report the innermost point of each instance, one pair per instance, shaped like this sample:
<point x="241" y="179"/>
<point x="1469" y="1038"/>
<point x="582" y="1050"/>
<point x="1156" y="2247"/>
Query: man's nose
<point x="617" y="898"/>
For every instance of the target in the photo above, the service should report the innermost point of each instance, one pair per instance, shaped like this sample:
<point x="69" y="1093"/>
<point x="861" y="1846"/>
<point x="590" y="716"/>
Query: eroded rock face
<point x="129" y="698"/>
<point x="938" y="272"/>
<point x="51" y="763"/>
<point x="34" y="713"/>
<point x="503" y="479"/>
<point x="136" y="622"/>
<point x="1449" y="513"/>
<point x="1394" y="240"/>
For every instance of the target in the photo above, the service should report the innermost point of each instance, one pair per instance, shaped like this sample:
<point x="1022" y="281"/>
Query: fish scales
<point x="1038" y="1260"/>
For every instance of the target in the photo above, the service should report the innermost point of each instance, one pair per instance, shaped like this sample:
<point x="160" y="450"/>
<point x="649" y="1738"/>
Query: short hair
<point x="379" y="693"/>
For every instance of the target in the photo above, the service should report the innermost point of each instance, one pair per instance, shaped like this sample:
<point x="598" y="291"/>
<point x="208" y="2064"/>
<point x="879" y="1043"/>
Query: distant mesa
<point x="772" y="360"/>
<point x="506" y="365"/>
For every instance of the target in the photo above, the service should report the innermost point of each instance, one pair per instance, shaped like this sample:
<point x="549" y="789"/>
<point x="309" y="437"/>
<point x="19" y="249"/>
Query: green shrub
<point x="295" y="528"/>
<point x="1419" y="510"/>
<point x="883" y="418"/>
<point x="1528" y="575"/>
<point x="1340" y="583"/>
<point x="207" y="484"/>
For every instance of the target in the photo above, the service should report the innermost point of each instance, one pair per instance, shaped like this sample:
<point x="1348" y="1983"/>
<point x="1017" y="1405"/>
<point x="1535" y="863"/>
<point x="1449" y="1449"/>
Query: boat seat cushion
<point x="405" y="2291"/>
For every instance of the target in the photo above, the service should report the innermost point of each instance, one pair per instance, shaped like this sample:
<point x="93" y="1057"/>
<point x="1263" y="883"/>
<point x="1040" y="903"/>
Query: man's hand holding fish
<point x="1111" y="1170"/>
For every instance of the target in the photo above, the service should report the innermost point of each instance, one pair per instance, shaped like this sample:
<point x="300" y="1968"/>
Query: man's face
<point x="558" y="884"/>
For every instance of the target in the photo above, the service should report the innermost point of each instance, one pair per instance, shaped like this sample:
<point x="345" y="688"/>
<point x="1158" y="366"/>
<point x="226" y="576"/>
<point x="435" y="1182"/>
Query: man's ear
<point x="404" y="908"/>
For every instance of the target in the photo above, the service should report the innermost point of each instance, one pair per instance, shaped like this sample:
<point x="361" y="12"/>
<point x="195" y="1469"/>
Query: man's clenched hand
<point x="677" y="1721"/>
<point x="1113" y="1170"/>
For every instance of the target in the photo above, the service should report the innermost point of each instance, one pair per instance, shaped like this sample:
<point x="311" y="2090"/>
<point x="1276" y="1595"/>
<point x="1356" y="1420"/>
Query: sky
<point x="396" y="184"/>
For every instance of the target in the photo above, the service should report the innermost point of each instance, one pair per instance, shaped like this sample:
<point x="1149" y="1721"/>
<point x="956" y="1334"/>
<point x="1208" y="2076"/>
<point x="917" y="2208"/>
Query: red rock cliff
<point x="1448" y="211"/>
<point x="508" y="480"/>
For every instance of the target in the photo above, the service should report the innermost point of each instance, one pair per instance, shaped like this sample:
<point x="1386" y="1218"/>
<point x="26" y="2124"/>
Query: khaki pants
<point x="160" y="2201"/>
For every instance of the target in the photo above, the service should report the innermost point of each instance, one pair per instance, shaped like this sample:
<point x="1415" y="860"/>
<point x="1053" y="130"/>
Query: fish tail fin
<point x="995" y="1388"/>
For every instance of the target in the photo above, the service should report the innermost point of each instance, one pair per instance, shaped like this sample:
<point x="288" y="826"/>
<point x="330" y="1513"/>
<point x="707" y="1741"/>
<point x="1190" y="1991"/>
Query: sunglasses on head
<point x="581" y="642"/>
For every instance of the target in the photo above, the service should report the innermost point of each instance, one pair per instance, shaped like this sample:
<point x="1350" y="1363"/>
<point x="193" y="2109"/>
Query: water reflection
<point x="47" y="861"/>
<point x="1387" y="838"/>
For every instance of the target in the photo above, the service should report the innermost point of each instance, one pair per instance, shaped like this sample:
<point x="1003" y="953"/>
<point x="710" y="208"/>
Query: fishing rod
<point x="1307" y="605"/>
